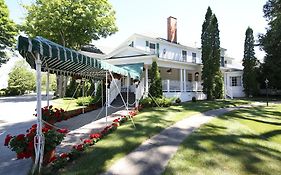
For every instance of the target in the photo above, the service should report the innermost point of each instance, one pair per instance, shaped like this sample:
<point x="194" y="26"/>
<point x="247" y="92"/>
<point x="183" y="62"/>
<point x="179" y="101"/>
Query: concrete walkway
<point x="152" y="156"/>
<point x="81" y="126"/>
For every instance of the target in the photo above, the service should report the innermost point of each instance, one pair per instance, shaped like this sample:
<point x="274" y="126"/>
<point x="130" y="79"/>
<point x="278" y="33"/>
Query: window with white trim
<point x="193" y="57"/>
<point x="235" y="81"/>
<point x="184" y="54"/>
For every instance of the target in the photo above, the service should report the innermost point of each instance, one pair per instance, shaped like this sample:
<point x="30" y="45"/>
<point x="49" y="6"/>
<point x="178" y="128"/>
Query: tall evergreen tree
<point x="155" y="88"/>
<point x="210" y="41"/>
<point x="215" y="57"/>
<point x="206" y="54"/>
<point x="249" y="63"/>
<point x="7" y="31"/>
<point x="271" y="44"/>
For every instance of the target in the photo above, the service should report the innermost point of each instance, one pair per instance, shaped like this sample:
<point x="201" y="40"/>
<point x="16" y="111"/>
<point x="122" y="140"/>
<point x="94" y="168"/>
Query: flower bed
<point x="76" y="150"/>
<point x="53" y="115"/>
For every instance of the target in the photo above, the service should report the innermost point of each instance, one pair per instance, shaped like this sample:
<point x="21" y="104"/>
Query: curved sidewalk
<point x="152" y="156"/>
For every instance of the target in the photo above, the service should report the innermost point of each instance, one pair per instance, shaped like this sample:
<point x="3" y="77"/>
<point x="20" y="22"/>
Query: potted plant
<point x="23" y="144"/>
<point x="52" y="115"/>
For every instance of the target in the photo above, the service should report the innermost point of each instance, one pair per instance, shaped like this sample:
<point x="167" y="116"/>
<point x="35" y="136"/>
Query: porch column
<point x="184" y="80"/>
<point x="181" y="80"/>
<point x="146" y="79"/>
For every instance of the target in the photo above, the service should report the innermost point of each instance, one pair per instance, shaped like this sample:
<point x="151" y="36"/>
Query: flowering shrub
<point x="52" y="115"/>
<point x="23" y="144"/>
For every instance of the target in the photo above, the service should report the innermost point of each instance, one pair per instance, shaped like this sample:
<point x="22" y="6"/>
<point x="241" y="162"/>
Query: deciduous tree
<point x="8" y="31"/>
<point x="70" y="23"/>
<point x="271" y="44"/>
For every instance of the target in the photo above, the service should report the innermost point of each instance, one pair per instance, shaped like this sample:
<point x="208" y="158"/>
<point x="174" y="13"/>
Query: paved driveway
<point x="16" y="115"/>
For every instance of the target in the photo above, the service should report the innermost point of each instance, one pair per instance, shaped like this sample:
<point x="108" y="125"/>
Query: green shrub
<point x="194" y="99"/>
<point x="2" y="92"/>
<point x="84" y="101"/>
<point x="12" y="91"/>
<point x="178" y="100"/>
<point x="162" y="102"/>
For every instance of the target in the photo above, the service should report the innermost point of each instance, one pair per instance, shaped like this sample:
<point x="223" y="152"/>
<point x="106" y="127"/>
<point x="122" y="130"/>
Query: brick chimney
<point x="172" y="29"/>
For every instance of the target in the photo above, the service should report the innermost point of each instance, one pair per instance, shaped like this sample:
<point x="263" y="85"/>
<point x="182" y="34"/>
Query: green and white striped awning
<point x="61" y="60"/>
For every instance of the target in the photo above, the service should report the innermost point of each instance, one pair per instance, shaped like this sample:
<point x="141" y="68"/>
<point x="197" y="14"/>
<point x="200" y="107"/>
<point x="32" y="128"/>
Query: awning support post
<point x="106" y="96"/>
<point x="39" y="137"/>
<point x="128" y="86"/>
<point x="48" y="87"/>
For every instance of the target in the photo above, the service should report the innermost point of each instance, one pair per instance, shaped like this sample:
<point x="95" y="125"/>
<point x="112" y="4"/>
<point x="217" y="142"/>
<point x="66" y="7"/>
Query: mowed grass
<point x="126" y="138"/>
<point x="243" y="142"/>
<point x="65" y="103"/>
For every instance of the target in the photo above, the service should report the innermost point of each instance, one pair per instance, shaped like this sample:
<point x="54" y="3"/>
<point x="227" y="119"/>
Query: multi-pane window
<point x="189" y="77"/>
<point x="193" y="57"/>
<point x="235" y="81"/>
<point x="184" y="55"/>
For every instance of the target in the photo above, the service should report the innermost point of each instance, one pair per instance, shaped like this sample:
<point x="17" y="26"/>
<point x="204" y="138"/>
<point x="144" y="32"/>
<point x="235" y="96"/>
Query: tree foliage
<point x="21" y="79"/>
<point x="70" y="23"/>
<point x="155" y="88"/>
<point x="210" y="41"/>
<point x="271" y="44"/>
<point x="8" y="31"/>
<point x="249" y="63"/>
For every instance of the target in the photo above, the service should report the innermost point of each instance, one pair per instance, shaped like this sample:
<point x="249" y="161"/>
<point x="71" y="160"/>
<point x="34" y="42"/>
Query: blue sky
<point x="149" y="17"/>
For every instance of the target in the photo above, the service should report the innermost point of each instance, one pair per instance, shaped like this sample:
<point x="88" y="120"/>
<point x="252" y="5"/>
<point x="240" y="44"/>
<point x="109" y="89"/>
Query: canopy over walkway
<point x="61" y="60"/>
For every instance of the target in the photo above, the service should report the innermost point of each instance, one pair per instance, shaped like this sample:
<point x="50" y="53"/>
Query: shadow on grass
<point x="253" y="151"/>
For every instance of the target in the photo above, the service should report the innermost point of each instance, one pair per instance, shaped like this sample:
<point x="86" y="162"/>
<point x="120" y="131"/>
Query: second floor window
<point x="193" y="57"/>
<point x="152" y="47"/>
<point x="184" y="54"/>
<point x="222" y="61"/>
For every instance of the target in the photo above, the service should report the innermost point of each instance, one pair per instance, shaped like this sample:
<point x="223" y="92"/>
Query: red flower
<point x="7" y="140"/>
<point x="79" y="147"/>
<point x="20" y="137"/>
<point x="63" y="155"/>
<point x="45" y="129"/>
<point x="34" y="126"/>
<point x="116" y="120"/>
<point x="53" y="159"/>
<point x="115" y="125"/>
<point x="95" y="136"/>
<point x="30" y="146"/>
<point x="23" y="155"/>
<point x="88" y="141"/>
<point x="63" y="131"/>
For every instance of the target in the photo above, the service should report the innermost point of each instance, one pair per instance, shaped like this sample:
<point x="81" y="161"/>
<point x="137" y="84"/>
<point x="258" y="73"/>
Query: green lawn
<point x="242" y="142"/>
<point x="148" y="123"/>
<point x="66" y="103"/>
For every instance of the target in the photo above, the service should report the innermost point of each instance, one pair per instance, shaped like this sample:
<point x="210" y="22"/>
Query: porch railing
<point x="175" y="86"/>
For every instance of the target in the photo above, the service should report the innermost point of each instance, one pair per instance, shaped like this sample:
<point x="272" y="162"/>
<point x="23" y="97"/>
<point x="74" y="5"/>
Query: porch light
<point x="169" y="71"/>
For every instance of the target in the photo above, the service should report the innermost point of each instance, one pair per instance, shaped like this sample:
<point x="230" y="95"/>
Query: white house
<point x="180" y="66"/>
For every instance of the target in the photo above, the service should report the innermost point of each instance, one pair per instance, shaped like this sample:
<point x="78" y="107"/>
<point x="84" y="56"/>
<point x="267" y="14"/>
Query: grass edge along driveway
<point x="245" y="141"/>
